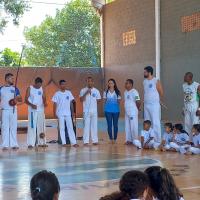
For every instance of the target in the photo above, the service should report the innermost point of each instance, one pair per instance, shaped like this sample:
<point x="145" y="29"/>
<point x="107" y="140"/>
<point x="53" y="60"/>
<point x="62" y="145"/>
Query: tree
<point x="71" y="38"/>
<point x="12" y="8"/>
<point x="10" y="58"/>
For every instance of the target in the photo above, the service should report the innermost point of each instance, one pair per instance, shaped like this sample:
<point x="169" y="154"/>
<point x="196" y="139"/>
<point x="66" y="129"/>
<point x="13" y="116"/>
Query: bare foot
<point x="5" y="148"/>
<point x="96" y="143"/>
<point x="75" y="145"/>
<point x="86" y="144"/>
<point x="128" y="143"/>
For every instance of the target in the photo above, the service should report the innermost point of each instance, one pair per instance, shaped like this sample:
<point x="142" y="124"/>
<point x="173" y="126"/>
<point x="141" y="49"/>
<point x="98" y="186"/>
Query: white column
<point x="157" y="37"/>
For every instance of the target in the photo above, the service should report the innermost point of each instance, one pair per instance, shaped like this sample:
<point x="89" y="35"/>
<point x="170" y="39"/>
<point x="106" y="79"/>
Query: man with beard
<point x="153" y="92"/>
<point x="9" y="97"/>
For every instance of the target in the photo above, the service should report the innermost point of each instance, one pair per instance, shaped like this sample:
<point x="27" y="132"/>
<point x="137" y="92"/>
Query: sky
<point x="13" y="35"/>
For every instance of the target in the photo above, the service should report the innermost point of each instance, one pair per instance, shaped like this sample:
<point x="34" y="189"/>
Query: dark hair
<point x="189" y="74"/>
<point x="196" y="127"/>
<point x="130" y="81"/>
<point x="89" y="77"/>
<point x="62" y="81"/>
<point x="115" y="196"/>
<point x="180" y="128"/>
<point x="8" y="75"/>
<point x="133" y="184"/>
<point x="44" y="185"/>
<point x="118" y="93"/>
<point x="38" y="80"/>
<point x="149" y="69"/>
<point x="169" y="125"/>
<point x="162" y="183"/>
<point x="147" y="122"/>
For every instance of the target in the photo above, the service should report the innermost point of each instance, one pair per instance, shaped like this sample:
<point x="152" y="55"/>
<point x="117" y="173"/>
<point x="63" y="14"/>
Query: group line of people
<point x="90" y="96"/>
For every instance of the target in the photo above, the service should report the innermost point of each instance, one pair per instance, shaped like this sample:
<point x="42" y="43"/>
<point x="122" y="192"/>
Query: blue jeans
<point x="112" y="121"/>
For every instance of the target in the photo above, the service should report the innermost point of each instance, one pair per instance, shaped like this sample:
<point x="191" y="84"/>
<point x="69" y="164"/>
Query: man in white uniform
<point x="132" y="105"/>
<point x="90" y="96"/>
<point x="191" y="91"/>
<point x="36" y="100"/>
<point x="62" y="100"/>
<point x="153" y="92"/>
<point x="9" y="97"/>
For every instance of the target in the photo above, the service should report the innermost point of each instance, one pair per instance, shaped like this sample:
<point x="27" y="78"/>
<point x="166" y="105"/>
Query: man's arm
<point x="82" y="98"/>
<point x="142" y="141"/>
<point x="54" y="109"/>
<point x="160" y="89"/>
<point x="44" y="98"/>
<point x="198" y="91"/>
<point x="138" y="104"/>
<point x="26" y="99"/>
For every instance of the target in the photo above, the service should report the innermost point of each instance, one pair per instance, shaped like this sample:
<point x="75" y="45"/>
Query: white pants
<point x="152" y="112"/>
<point x="131" y="128"/>
<point x="9" y="128"/>
<point x="179" y="148"/>
<point x="190" y="119"/>
<point x="151" y="144"/>
<point x="36" y="125"/>
<point x="194" y="150"/>
<point x="68" y="120"/>
<point x="90" y="126"/>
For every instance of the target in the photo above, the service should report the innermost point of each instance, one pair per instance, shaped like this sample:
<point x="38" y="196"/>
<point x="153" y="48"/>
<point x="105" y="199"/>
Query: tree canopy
<point x="71" y="38"/>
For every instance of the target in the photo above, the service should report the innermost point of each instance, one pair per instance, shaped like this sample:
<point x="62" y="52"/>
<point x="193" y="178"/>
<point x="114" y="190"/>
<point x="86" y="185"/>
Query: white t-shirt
<point x="147" y="134"/>
<point x="36" y="98"/>
<point x="182" y="138"/>
<point x="167" y="137"/>
<point x="63" y="102"/>
<point x="130" y="98"/>
<point x="90" y="102"/>
<point x="151" y="95"/>
<point x="196" y="140"/>
<point x="6" y="94"/>
<point x="191" y="94"/>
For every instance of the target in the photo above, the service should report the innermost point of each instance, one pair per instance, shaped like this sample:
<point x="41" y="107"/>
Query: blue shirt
<point x="111" y="102"/>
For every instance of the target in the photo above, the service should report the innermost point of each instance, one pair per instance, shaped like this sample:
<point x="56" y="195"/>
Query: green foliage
<point x="14" y="9"/>
<point x="71" y="38"/>
<point x="10" y="58"/>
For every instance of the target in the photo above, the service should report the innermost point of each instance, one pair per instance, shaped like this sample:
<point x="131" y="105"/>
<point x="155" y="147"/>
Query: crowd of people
<point x="174" y="138"/>
<point x="155" y="183"/>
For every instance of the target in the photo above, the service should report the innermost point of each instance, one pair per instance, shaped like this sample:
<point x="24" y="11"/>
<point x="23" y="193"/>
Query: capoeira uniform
<point x="167" y="137"/>
<point x="63" y="104"/>
<point x="180" y="142"/>
<point x="152" y="110"/>
<point x="90" y="115"/>
<point x="36" y="118"/>
<point x="195" y="149"/>
<point x="9" y="116"/>
<point x="191" y="104"/>
<point x="147" y="135"/>
<point x="131" y="115"/>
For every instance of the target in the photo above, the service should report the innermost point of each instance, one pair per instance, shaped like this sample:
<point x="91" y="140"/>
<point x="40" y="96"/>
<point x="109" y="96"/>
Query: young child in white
<point x="90" y="96"/>
<point x="167" y="137"/>
<point x="62" y="101"/>
<point x="195" y="147"/>
<point x="132" y="105"/>
<point x="180" y="140"/>
<point x="147" y="137"/>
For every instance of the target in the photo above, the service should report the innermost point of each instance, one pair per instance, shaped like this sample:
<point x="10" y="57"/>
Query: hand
<point x="198" y="112"/>
<point x="34" y="106"/>
<point x="183" y="113"/>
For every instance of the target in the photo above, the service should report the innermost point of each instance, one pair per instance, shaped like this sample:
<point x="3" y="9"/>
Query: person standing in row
<point x="9" y="97"/>
<point x="90" y="96"/>
<point x="112" y="97"/>
<point x="153" y="93"/>
<point x="132" y="106"/>
<point x="36" y="100"/>
<point x="191" y="91"/>
<point x="62" y="100"/>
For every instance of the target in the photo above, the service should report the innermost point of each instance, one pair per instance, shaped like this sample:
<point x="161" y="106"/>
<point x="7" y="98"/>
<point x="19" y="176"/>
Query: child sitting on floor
<point x="167" y="137"/>
<point x="180" y="139"/>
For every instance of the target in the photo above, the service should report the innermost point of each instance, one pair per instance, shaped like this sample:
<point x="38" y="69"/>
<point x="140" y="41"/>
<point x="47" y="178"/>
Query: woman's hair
<point x="196" y="127"/>
<point x="115" y="196"/>
<point x="179" y="127"/>
<point x="162" y="183"/>
<point x="133" y="184"/>
<point x="44" y="185"/>
<point x="118" y="93"/>
<point x="169" y="125"/>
